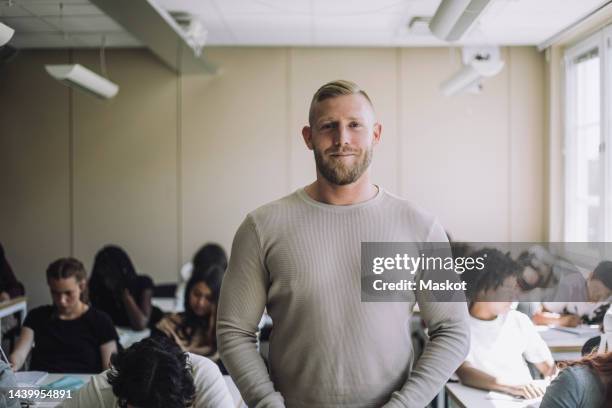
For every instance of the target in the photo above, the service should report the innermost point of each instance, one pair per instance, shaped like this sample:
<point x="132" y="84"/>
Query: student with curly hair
<point x="502" y="339"/>
<point x="118" y="290"/>
<point x="155" y="373"/>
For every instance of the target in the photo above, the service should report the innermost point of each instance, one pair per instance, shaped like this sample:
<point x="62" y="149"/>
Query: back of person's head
<point x="153" y="373"/>
<point x="603" y="273"/>
<point x="333" y="89"/>
<point x="497" y="268"/>
<point x="111" y="265"/>
<point x="65" y="268"/>
<point x="208" y="255"/>
<point x="600" y="364"/>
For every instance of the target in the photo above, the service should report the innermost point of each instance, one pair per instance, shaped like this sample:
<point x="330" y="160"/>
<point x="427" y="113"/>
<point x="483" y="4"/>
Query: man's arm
<point x="448" y="345"/>
<point x="241" y="304"/>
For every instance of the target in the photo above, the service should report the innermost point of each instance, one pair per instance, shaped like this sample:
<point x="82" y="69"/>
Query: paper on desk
<point x="493" y="395"/>
<point x="30" y="378"/>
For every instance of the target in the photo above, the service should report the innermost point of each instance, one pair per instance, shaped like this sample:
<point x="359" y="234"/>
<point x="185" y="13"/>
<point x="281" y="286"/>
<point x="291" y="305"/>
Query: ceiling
<point x="78" y="23"/>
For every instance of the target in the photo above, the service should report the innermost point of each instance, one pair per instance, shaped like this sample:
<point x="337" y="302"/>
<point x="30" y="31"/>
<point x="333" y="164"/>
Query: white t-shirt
<point x="211" y="389"/>
<point x="500" y="347"/>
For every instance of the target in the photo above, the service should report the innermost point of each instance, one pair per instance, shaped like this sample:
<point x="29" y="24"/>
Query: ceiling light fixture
<point x="479" y="63"/>
<point x="454" y="18"/>
<point x="6" y="33"/>
<point x="77" y="76"/>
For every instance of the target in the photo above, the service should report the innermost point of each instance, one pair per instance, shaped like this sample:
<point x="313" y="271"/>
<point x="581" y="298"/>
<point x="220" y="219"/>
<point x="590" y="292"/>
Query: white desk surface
<point x="18" y="304"/>
<point x="462" y="396"/>
<point x="565" y="345"/>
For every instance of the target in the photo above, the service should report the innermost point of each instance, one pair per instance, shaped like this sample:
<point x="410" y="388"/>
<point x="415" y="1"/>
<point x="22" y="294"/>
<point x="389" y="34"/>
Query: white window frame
<point x="599" y="41"/>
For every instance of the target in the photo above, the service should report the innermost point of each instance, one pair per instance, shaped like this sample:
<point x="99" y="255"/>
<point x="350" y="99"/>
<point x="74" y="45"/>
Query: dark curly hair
<point x="152" y="373"/>
<point x="497" y="268"/>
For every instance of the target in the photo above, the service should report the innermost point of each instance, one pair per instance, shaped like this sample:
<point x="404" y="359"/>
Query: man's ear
<point x="377" y="131"/>
<point x="307" y="135"/>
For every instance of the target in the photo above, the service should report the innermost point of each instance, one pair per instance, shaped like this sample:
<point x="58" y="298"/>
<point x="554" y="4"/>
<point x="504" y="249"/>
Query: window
<point x="588" y="191"/>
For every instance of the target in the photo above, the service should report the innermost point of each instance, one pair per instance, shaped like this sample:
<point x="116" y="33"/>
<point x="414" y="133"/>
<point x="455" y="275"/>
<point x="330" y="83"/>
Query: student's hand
<point x="570" y="320"/>
<point x="4" y="297"/>
<point x="527" y="391"/>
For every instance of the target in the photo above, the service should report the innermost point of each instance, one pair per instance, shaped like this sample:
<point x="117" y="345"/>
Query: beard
<point x="339" y="173"/>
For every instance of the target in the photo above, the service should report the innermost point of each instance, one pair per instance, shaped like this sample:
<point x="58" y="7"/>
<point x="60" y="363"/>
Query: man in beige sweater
<point x="300" y="257"/>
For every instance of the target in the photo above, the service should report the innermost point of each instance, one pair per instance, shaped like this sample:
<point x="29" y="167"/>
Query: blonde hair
<point x="333" y="89"/>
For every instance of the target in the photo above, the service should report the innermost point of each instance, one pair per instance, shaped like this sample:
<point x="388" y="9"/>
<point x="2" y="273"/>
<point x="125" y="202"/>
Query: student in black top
<point x="70" y="336"/>
<point x="10" y="287"/>
<point x="116" y="289"/>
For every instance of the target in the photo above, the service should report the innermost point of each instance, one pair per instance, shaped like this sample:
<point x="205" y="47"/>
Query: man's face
<point x="342" y="136"/>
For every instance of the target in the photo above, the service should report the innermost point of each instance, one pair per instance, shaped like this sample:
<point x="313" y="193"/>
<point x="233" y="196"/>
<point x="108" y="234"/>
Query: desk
<point x="461" y="396"/>
<point x="127" y="336"/>
<point x="565" y="345"/>
<point x="18" y="304"/>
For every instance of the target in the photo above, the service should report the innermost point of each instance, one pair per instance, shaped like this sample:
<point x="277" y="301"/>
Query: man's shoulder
<point x="408" y="211"/>
<point x="274" y="207"/>
<point x="406" y="205"/>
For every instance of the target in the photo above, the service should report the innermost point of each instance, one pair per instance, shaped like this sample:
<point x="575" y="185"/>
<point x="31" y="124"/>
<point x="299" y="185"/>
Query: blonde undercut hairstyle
<point x="333" y="89"/>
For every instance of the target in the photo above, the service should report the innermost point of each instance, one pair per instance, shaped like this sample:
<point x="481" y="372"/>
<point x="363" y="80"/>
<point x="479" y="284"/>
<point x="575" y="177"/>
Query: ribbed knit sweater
<point x="300" y="258"/>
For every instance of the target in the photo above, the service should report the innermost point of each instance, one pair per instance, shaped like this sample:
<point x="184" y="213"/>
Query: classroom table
<point x="462" y="396"/>
<point x="127" y="336"/>
<point x="566" y="343"/>
<point x="18" y="304"/>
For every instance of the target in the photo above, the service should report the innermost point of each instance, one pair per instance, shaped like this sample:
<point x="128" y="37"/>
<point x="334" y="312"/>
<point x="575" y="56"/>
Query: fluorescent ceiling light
<point x="77" y="76"/>
<point x="454" y="18"/>
<point x="6" y="33"/>
<point x="480" y="64"/>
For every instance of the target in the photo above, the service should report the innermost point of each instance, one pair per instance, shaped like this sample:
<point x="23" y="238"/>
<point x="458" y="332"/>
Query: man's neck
<point x="325" y="192"/>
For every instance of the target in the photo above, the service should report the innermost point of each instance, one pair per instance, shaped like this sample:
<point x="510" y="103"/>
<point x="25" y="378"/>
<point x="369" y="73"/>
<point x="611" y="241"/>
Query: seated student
<point x="501" y="338"/>
<point x="586" y="383"/>
<point x="116" y="289"/>
<point x="208" y="255"/>
<point x="70" y="336"/>
<point x="579" y="300"/>
<point x="155" y="373"/>
<point x="10" y="287"/>
<point x="194" y="330"/>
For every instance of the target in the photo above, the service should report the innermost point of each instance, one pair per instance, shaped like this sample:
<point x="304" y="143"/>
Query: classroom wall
<point x="173" y="162"/>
